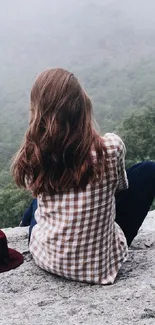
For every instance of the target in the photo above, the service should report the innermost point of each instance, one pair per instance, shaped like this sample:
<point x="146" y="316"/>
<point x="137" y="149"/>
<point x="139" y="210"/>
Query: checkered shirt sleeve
<point x="122" y="176"/>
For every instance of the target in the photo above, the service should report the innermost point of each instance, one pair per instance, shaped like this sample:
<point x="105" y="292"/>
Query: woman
<point x="86" y="217"/>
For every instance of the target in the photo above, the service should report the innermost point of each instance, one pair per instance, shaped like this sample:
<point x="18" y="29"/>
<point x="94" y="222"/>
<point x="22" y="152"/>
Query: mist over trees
<point x="108" y="44"/>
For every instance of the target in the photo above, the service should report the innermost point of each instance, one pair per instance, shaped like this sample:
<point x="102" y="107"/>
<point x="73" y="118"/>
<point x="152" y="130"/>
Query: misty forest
<point x="108" y="44"/>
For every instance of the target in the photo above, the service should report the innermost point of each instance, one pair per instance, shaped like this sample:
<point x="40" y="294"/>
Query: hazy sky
<point x="78" y="35"/>
<point x="48" y="32"/>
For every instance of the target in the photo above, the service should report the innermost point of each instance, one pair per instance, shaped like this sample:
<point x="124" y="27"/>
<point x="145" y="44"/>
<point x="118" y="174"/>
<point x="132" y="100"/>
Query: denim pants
<point x="28" y="217"/>
<point x="133" y="204"/>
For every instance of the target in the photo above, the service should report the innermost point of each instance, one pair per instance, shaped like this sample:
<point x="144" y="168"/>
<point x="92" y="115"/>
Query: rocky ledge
<point x="31" y="296"/>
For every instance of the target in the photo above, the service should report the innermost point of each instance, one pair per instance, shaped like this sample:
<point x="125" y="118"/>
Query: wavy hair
<point x="56" y="154"/>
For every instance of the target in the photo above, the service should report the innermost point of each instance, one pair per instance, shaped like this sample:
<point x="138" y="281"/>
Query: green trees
<point x="13" y="201"/>
<point x="138" y="133"/>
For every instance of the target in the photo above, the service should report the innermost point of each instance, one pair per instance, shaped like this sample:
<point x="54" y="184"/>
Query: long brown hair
<point x="57" y="150"/>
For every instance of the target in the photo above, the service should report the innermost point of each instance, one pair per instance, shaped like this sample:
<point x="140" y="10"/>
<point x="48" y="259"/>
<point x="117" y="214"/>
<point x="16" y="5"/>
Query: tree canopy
<point x="138" y="133"/>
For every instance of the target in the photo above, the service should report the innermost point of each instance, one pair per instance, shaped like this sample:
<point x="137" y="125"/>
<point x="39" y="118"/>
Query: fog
<point x="101" y="41"/>
<point x="37" y="34"/>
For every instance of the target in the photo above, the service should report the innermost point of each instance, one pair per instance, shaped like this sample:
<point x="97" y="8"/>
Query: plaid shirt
<point x="76" y="235"/>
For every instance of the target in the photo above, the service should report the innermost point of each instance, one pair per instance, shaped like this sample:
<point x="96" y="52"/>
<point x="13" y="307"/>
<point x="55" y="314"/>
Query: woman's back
<point x="76" y="235"/>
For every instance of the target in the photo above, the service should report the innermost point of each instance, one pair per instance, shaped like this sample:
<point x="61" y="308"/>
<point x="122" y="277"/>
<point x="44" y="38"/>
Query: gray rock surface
<point x="30" y="295"/>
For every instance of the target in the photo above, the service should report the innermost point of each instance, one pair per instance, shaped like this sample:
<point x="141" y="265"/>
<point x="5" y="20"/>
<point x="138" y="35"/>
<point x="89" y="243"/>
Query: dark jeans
<point x="28" y="216"/>
<point x="133" y="204"/>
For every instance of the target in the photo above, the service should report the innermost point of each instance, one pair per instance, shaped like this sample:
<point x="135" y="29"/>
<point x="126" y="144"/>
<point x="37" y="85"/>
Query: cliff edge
<point x="30" y="295"/>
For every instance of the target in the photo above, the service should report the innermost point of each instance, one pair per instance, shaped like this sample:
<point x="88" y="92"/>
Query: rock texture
<point x="31" y="296"/>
